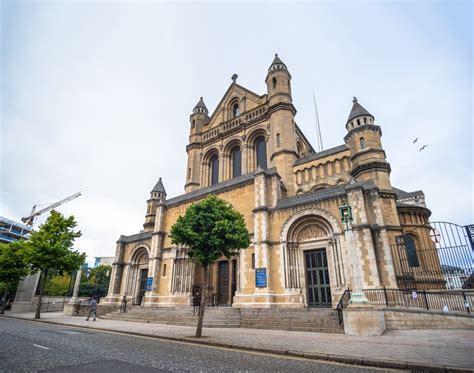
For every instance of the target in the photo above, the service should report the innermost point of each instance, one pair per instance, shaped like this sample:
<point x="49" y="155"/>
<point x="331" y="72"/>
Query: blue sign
<point x="149" y="284"/>
<point x="261" y="277"/>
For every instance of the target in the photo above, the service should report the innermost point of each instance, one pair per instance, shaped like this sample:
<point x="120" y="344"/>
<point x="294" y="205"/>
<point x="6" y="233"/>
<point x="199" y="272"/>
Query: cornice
<point x="375" y="165"/>
<point x="364" y="127"/>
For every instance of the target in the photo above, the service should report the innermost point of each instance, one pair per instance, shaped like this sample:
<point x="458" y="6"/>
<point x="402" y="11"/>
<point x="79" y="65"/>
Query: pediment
<point x="247" y="99"/>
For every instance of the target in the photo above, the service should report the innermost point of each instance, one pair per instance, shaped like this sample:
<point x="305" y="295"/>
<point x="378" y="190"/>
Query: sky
<point x="96" y="96"/>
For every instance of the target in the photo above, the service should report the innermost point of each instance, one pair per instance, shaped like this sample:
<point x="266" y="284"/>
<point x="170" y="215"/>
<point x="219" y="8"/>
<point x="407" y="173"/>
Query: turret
<point x="157" y="195"/>
<point x="278" y="82"/>
<point x="281" y="149"/>
<point x="198" y="119"/>
<point x="367" y="155"/>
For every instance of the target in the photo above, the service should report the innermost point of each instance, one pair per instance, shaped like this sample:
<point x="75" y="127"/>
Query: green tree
<point x="95" y="281"/>
<point x="51" y="248"/>
<point x="57" y="285"/>
<point x="12" y="267"/>
<point x="210" y="229"/>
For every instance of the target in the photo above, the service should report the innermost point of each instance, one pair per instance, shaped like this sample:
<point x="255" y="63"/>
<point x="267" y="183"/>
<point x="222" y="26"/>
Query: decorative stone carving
<point x="311" y="232"/>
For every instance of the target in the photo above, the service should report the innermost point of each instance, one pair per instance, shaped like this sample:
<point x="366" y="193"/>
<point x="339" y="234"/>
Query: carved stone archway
<point x="307" y="231"/>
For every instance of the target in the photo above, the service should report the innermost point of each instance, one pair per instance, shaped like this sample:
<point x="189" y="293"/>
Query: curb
<point x="392" y="364"/>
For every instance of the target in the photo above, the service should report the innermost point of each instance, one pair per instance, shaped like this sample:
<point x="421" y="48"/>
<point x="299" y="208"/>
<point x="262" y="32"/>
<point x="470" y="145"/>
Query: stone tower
<point x="157" y="195"/>
<point x="367" y="154"/>
<point x="197" y="120"/>
<point x="282" y="149"/>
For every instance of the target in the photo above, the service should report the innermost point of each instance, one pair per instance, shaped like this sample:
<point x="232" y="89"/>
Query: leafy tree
<point x="210" y="229"/>
<point x="12" y="267"/>
<point x="50" y="248"/>
<point x="95" y="281"/>
<point x="57" y="285"/>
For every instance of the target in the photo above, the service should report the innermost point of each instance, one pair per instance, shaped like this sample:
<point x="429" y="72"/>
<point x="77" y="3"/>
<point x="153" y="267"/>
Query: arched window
<point x="236" y="158"/>
<point x="358" y="122"/>
<point x="261" y="152"/>
<point x="362" y="143"/>
<point x="410" y="247"/>
<point x="278" y="140"/>
<point x="274" y="82"/>
<point x="365" y="120"/>
<point x="214" y="169"/>
<point x="194" y="123"/>
<point x="235" y="110"/>
<point x="164" y="270"/>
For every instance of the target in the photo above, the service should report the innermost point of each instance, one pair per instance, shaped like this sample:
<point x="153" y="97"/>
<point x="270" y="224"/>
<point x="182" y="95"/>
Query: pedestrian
<point x="92" y="309"/>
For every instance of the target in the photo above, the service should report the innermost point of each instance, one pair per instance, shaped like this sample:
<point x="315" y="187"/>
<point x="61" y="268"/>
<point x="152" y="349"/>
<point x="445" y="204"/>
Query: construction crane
<point x="29" y="220"/>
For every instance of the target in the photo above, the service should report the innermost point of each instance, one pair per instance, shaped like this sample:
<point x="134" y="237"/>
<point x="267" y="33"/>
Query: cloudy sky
<point x="96" y="97"/>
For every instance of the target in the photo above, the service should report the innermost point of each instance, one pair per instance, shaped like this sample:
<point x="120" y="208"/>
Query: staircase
<point x="225" y="317"/>
<point x="323" y="320"/>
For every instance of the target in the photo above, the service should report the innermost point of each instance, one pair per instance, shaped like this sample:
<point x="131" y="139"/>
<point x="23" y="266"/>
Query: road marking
<point x="46" y="348"/>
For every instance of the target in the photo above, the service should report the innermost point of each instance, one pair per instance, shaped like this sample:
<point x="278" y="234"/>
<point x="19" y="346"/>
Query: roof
<point x="159" y="187"/>
<point x="201" y="104"/>
<point x="322" y="194"/>
<point x="276" y="61"/>
<point x="324" y="153"/>
<point x="217" y="188"/>
<point x="401" y="194"/>
<point x="135" y="237"/>
<point x="357" y="111"/>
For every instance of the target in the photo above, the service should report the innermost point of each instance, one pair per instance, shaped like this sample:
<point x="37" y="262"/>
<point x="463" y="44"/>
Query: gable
<point x="246" y="99"/>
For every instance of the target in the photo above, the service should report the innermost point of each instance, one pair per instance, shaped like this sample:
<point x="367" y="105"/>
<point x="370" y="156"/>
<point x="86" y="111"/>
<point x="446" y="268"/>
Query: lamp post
<point x="358" y="298"/>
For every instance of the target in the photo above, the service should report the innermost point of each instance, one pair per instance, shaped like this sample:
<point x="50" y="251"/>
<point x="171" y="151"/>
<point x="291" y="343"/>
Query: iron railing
<point x="343" y="302"/>
<point x="54" y="306"/>
<point x="440" y="255"/>
<point x="427" y="299"/>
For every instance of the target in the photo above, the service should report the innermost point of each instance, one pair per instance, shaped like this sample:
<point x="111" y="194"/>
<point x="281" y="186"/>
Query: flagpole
<point x="318" y="128"/>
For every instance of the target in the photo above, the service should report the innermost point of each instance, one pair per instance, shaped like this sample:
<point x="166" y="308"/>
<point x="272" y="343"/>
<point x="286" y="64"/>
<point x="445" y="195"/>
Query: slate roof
<point x="401" y="194"/>
<point x="357" y="111"/>
<point x="201" y="104"/>
<point x="135" y="237"/>
<point x="324" y="153"/>
<point x="159" y="187"/>
<point x="217" y="188"/>
<point x="277" y="61"/>
<point x="321" y="195"/>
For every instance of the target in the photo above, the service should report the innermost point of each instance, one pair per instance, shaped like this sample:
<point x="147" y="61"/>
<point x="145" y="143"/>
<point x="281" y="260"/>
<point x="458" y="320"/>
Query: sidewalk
<point x="412" y="349"/>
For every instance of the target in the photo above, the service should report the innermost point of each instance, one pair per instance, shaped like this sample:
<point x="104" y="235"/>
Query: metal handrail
<point x="343" y="302"/>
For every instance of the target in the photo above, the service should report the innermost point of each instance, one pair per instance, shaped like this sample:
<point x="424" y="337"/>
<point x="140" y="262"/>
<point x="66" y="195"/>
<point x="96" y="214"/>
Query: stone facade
<point x="251" y="153"/>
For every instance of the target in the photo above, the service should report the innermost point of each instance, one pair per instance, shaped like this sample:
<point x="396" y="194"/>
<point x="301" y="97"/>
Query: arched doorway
<point x="312" y="257"/>
<point x="139" y="264"/>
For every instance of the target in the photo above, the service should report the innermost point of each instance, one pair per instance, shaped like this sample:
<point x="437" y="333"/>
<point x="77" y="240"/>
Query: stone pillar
<point x="360" y="317"/>
<point x="154" y="269"/>
<point x="73" y="304"/>
<point x="244" y="159"/>
<point x="262" y="255"/>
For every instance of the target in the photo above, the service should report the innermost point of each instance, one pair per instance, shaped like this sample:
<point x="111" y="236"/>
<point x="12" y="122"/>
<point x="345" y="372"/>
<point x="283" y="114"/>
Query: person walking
<point x="92" y="309"/>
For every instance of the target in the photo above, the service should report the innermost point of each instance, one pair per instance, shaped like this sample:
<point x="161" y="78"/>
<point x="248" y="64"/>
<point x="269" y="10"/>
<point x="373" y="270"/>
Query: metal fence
<point x="439" y="255"/>
<point x="53" y="306"/>
<point x="427" y="299"/>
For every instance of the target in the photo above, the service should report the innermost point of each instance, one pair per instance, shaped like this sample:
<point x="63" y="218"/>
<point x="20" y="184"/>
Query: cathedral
<point x="298" y="205"/>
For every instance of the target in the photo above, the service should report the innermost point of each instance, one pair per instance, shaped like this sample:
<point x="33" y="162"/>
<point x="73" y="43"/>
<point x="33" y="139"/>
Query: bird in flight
<point x="424" y="146"/>
<point x="414" y="141"/>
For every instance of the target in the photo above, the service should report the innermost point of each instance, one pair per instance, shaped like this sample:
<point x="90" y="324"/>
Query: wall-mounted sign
<point x="149" y="283"/>
<point x="261" y="277"/>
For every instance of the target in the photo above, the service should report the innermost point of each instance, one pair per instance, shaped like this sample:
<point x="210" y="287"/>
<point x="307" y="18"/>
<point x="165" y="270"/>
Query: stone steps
<point x="309" y="320"/>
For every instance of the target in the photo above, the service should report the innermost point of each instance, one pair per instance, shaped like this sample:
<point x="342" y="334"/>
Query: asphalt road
<point x="30" y="347"/>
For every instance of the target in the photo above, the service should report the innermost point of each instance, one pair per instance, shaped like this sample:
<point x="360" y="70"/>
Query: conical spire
<point x="200" y="107"/>
<point x="277" y="63"/>
<point x="358" y="111"/>
<point x="159" y="188"/>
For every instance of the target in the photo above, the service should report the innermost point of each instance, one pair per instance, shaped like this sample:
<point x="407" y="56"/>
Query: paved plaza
<point x="396" y="349"/>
